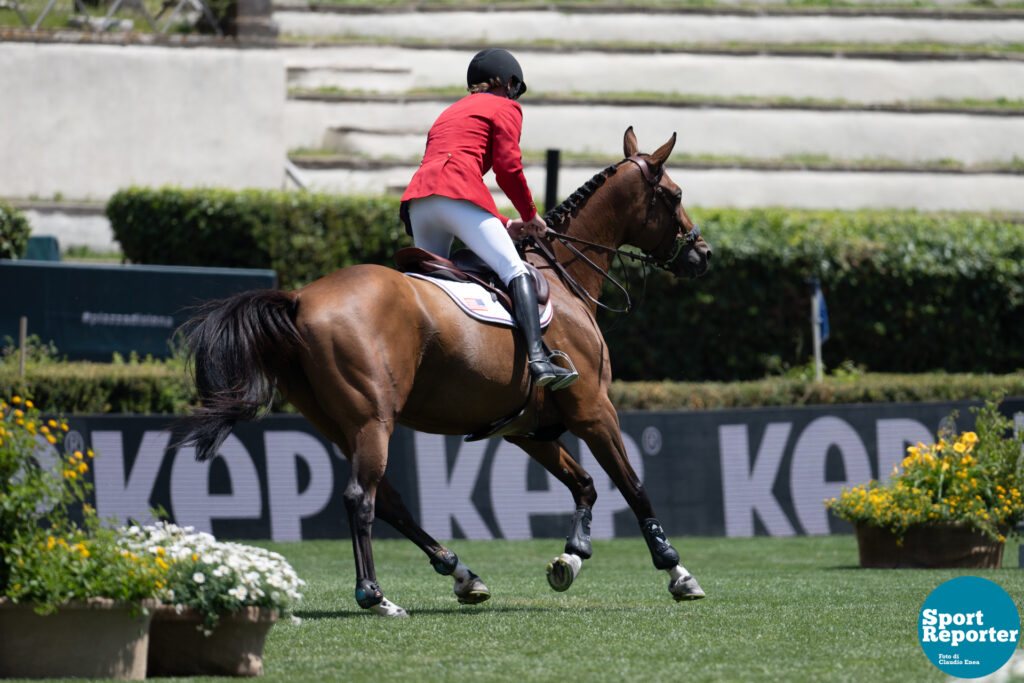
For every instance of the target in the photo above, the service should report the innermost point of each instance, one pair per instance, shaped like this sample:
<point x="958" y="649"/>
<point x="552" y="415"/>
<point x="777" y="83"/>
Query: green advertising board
<point x="91" y="311"/>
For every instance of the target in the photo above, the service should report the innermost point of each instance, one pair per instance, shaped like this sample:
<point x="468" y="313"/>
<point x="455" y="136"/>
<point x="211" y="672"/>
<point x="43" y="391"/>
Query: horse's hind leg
<point x="469" y="589"/>
<point x="553" y="456"/>
<point x="388" y="505"/>
<point x="369" y="460"/>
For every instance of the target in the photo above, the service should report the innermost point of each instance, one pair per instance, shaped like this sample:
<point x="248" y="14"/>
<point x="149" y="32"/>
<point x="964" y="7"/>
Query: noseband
<point x="688" y="239"/>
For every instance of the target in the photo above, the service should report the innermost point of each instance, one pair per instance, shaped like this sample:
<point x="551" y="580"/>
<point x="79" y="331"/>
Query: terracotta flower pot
<point x="177" y="646"/>
<point x="97" y="638"/>
<point x="940" y="545"/>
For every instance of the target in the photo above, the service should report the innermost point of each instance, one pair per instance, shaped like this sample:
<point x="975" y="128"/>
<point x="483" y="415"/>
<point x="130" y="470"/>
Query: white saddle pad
<point x="477" y="302"/>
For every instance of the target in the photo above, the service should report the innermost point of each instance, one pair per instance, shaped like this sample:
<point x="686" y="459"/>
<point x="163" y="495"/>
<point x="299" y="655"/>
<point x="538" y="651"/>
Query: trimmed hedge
<point x="97" y="388"/>
<point x="301" y="236"/>
<point x="906" y="291"/>
<point x="157" y="387"/>
<point x="14" y="232"/>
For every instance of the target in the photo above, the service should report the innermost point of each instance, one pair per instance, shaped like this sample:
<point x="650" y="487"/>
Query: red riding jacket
<point x="467" y="139"/>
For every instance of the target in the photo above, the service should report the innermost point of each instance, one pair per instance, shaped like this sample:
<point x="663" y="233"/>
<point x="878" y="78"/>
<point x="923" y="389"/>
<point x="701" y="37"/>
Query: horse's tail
<point x="236" y="349"/>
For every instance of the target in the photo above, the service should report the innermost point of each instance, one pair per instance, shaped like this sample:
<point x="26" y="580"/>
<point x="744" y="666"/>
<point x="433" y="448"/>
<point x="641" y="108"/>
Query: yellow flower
<point x="83" y="468"/>
<point x="29" y="405"/>
<point x="50" y="540"/>
<point x="52" y="423"/>
<point x="16" y="399"/>
<point x="959" y="447"/>
<point x="970" y="437"/>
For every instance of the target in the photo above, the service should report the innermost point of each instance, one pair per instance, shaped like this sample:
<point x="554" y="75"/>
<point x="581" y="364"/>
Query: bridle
<point x="681" y="242"/>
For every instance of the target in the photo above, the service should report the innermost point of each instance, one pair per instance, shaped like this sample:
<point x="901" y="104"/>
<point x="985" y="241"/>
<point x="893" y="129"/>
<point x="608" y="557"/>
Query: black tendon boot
<point x="524" y="304"/>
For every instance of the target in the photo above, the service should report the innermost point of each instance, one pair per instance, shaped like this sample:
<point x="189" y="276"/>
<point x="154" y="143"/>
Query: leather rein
<point x="654" y="181"/>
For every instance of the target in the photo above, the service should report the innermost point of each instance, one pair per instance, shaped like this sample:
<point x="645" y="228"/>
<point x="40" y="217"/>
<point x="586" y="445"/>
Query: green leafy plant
<point x="973" y="477"/>
<point x="14" y="232"/>
<point x="52" y="546"/>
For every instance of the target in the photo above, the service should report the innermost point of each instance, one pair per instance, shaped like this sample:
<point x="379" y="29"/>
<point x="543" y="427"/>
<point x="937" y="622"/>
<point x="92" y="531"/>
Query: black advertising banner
<point x="715" y="473"/>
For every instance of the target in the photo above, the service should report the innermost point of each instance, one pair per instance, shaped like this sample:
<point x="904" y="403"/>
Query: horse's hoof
<point x="563" y="570"/>
<point x="472" y="592"/>
<point x="386" y="608"/>
<point x="685" y="588"/>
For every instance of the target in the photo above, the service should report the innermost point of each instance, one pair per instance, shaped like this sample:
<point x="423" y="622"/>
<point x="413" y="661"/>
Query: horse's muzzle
<point x="694" y="259"/>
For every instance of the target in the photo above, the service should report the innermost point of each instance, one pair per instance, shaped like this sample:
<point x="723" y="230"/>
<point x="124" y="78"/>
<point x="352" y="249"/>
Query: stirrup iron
<point x="565" y="380"/>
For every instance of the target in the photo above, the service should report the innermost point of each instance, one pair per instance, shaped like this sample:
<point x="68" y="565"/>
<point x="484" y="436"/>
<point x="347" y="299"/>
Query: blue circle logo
<point x="968" y="627"/>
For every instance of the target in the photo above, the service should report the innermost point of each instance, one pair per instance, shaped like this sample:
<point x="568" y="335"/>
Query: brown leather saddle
<point x="466" y="266"/>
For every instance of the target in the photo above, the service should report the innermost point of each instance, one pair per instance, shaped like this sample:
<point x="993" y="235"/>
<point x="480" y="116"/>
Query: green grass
<point x="786" y="609"/>
<point x="742" y="48"/>
<point x="787" y="162"/>
<point x="754" y="6"/>
<point x="650" y="98"/>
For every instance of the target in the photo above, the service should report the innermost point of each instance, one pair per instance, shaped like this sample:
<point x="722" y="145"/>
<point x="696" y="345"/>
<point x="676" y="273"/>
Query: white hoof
<point x="386" y="608"/>
<point x="469" y="589"/>
<point x="563" y="570"/>
<point x="683" y="586"/>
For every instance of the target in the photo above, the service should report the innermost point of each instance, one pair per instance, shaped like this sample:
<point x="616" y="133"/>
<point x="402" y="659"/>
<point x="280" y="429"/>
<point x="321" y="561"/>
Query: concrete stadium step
<point x="737" y="187"/>
<point x="353" y="78"/>
<point x="654" y="25"/>
<point x="395" y="128"/>
<point x="863" y="79"/>
<point x="848" y="89"/>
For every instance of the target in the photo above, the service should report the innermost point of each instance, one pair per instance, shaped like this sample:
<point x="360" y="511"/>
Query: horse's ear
<point x="660" y="155"/>
<point x="629" y="145"/>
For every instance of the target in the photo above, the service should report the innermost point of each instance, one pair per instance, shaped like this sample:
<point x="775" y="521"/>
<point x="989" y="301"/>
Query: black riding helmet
<point x="497" y="63"/>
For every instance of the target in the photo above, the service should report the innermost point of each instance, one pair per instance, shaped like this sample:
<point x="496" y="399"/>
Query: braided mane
<point x="558" y="218"/>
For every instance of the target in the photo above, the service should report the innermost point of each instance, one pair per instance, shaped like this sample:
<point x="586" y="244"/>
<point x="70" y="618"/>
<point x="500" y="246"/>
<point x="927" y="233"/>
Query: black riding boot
<point x="524" y="304"/>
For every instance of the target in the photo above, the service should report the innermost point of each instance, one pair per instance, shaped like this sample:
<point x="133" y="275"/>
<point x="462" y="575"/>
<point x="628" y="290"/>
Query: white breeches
<point x="437" y="220"/>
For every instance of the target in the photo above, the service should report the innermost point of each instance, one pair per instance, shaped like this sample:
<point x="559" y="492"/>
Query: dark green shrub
<point x="14" y="232"/>
<point x="906" y="292"/>
<point x="301" y="236"/>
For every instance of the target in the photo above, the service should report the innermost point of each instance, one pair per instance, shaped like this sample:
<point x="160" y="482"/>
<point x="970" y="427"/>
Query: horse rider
<point x="447" y="196"/>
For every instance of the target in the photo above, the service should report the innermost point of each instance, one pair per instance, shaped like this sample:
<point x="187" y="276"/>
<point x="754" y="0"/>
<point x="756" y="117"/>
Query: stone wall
<point x="81" y="121"/>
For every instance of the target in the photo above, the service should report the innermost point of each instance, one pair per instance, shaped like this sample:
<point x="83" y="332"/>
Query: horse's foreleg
<point x="605" y="442"/>
<point x="469" y="589"/>
<point x="553" y="456"/>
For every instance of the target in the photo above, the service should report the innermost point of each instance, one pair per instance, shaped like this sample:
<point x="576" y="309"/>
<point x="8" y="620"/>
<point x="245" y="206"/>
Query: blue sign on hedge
<point x="91" y="311"/>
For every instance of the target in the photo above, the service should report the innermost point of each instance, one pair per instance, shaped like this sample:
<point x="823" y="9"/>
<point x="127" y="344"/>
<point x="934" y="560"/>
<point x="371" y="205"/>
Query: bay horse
<point x="367" y="347"/>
